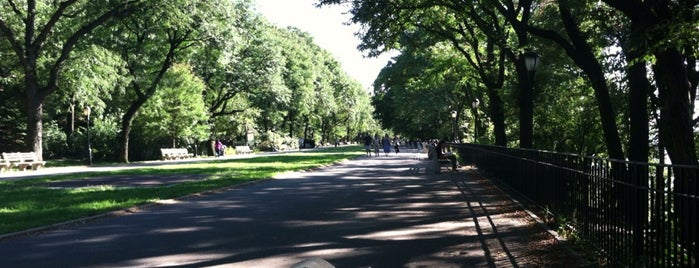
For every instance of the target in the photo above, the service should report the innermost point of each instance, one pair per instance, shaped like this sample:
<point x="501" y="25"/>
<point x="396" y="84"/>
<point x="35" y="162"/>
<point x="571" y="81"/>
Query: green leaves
<point x="177" y="111"/>
<point x="175" y="71"/>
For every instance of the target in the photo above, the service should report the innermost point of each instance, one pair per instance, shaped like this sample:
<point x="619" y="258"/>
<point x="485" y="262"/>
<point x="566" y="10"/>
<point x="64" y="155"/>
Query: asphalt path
<point x="387" y="211"/>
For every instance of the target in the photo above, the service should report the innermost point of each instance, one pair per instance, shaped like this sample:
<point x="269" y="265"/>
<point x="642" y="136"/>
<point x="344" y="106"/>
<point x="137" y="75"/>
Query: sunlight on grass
<point x="8" y="210"/>
<point x="98" y="188"/>
<point x="105" y="204"/>
<point x="33" y="202"/>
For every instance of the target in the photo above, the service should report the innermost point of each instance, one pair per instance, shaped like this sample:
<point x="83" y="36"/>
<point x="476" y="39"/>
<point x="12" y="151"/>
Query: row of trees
<point x="618" y="78"/>
<point x="161" y="74"/>
<point x="619" y="70"/>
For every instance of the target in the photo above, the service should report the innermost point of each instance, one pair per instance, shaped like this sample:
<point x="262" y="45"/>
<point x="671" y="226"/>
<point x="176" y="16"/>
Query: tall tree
<point x="419" y="92"/>
<point x="151" y="42"/>
<point x="667" y="29"/>
<point x="299" y="76"/>
<point x="177" y="109"/>
<point x="239" y="58"/>
<point x="418" y="22"/>
<point x="352" y="101"/>
<point x="42" y="35"/>
<point x="575" y="43"/>
<point x="94" y="77"/>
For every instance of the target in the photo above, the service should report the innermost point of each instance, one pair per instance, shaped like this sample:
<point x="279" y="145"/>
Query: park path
<point x="383" y="211"/>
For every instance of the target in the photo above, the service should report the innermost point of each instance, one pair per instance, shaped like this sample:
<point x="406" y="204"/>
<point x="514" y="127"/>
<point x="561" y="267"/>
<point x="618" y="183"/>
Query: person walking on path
<point x="219" y="148"/>
<point x="386" y="142"/>
<point x="367" y="144"/>
<point x="396" y="144"/>
<point x="376" y="144"/>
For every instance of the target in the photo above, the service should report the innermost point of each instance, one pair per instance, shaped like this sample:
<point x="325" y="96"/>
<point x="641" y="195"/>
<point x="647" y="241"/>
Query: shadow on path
<point x="368" y="212"/>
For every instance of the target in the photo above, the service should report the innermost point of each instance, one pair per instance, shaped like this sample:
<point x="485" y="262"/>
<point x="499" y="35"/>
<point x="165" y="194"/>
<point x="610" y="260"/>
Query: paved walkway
<point x="366" y="212"/>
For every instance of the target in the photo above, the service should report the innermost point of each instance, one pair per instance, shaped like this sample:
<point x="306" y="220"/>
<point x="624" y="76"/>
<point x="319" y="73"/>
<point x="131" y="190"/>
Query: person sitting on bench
<point x="448" y="155"/>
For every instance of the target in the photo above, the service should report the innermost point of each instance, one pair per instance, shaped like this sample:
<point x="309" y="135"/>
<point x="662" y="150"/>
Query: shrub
<point x="272" y="141"/>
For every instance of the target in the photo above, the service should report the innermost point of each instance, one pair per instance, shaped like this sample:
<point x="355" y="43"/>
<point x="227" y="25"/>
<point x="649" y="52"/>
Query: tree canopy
<point x="164" y="73"/>
<point x="607" y="83"/>
<point x="603" y="86"/>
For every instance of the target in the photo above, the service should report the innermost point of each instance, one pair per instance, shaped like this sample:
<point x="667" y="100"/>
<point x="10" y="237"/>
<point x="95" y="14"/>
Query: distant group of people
<point x="439" y="147"/>
<point x="377" y="143"/>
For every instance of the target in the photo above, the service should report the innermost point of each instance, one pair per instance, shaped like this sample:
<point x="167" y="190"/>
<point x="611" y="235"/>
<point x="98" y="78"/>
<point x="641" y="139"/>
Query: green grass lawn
<point x="32" y="203"/>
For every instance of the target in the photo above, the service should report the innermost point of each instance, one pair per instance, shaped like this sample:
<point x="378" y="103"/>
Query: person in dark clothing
<point x="367" y="144"/>
<point x="396" y="144"/>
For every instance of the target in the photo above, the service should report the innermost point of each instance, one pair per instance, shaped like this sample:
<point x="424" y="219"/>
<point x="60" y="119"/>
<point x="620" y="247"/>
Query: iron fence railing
<point x="633" y="214"/>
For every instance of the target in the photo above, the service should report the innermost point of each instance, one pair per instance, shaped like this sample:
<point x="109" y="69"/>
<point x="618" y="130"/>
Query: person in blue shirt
<point x="386" y="143"/>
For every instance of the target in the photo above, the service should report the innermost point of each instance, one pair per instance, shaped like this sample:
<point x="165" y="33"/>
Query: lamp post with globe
<point x="453" y="125"/>
<point x="87" y="113"/>
<point x="475" y="105"/>
<point x="531" y="62"/>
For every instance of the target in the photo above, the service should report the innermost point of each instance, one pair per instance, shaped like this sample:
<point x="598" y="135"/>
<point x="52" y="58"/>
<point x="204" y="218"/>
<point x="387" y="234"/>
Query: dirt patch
<point x="517" y="237"/>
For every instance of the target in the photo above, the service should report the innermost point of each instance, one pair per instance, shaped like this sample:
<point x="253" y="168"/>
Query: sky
<point x="328" y="26"/>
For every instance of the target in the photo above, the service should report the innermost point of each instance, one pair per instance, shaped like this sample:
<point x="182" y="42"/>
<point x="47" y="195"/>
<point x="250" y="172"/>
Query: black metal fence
<point x="633" y="214"/>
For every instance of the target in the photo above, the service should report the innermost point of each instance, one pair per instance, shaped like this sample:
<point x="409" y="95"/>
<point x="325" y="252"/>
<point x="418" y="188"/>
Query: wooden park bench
<point x="243" y="149"/>
<point x="4" y="165"/>
<point x="437" y="163"/>
<point x="175" y="153"/>
<point x="22" y="160"/>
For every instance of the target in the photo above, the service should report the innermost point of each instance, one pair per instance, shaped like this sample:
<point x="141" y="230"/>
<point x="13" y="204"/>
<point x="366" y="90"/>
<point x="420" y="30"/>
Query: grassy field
<point x="32" y="203"/>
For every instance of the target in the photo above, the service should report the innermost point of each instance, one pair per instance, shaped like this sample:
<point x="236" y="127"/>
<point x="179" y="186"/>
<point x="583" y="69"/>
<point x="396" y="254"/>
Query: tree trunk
<point x="526" y="104"/>
<point x="306" y="127"/>
<point x="212" y="146"/>
<point x="124" y="149"/>
<point x="586" y="60"/>
<point x="34" y="137"/>
<point x="498" y="116"/>
<point x="126" y="123"/>
<point x="640" y="89"/>
<point x="675" y="115"/>
<point x="639" y="148"/>
<point x="34" y="106"/>
<point x="290" y="121"/>
<point x="673" y="81"/>
<point x="676" y="132"/>
<point x="526" y="82"/>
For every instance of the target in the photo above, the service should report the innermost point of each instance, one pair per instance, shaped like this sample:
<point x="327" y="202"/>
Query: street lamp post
<point x="453" y="125"/>
<point x="87" y="112"/>
<point x="531" y="62"/>
<point x="475" y="105"/>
